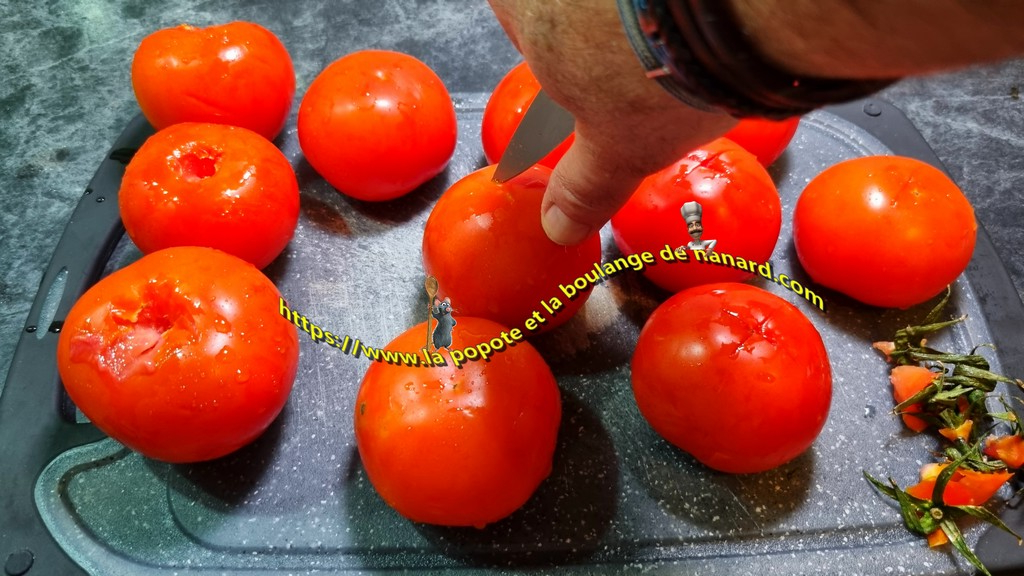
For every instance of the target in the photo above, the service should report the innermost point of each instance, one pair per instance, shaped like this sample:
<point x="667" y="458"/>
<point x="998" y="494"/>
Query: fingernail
<point x="562" y="229"/>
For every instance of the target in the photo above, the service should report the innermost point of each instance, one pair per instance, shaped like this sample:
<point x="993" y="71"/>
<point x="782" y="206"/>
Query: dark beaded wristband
<point x="698" y="52"/>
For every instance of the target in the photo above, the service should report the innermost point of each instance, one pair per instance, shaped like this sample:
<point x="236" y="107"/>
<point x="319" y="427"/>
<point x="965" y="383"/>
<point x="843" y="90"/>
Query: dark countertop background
<point x="66" y="95"/>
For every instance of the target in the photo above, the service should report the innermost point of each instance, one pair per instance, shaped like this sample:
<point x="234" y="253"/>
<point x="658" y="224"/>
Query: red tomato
<point x="505" y="110"/>
<point x="885" y="230"/>
<point x="484" y="243"/>
<point x="458" y="446"/>
<point x="377" y="124"/>
<point x="741" y="211"/>
<point x="766" y="139"/>
<point x="734" y="375"/>
<point x="238" y="74"/>
<point x="182" y="355"/>
<point x="210" y="185"/>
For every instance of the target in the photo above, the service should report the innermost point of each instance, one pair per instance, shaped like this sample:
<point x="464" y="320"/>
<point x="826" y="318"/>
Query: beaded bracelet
<point x="697" y="51"/>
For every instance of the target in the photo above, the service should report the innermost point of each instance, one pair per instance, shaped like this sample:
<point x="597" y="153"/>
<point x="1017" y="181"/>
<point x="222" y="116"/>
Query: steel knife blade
<point x="544" y="126"/>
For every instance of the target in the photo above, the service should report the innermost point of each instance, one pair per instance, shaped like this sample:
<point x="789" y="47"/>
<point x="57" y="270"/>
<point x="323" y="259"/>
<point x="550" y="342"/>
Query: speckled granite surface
<point x="65" y="97"/>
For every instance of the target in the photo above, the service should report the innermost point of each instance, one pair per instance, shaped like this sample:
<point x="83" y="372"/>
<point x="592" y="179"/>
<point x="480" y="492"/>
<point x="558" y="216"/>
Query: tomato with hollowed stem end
<point x="458" y="446"/>
<point x="505" y="110"/>
<point x="182" y="355"/>
<point x="377" y="124"/>
<point x="238" y="73"/>
<point x="888" y="231"/>
<point x="734" y="375"/>
<point x="740" y="210"/>
<point x="765" y="139"/>
<point x="484" y="243"/>
<point x="210" y="185"/>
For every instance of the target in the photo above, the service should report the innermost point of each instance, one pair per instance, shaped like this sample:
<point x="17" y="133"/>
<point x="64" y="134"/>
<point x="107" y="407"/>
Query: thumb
<point x="586" y="188"/>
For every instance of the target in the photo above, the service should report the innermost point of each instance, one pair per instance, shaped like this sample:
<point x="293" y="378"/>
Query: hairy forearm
<point x="882" y="38"/>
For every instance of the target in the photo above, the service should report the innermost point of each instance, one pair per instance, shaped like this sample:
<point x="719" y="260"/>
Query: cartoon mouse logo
<point x="691" y="214"/>
<point x="442" y="312"/>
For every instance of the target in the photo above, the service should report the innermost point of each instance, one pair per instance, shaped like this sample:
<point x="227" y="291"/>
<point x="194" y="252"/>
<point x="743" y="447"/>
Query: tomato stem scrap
<point x="954" y="403"/>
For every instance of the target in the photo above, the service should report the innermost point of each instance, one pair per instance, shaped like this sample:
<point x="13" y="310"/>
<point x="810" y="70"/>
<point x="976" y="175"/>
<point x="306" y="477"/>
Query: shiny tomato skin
<point x="458" y="446"/>
<point x="740" y="205"/>
<point x="484" y="243"/>
<point x="766" y="139"/>
<point x="505" y="110"/>
<point x="237" y="73"/>
<point x="377" y="124"/>
<point x="888" y="231"/>
<point x="182" y="355"/>
<point x="211" y="185"/>
<point x="734" y="375"/>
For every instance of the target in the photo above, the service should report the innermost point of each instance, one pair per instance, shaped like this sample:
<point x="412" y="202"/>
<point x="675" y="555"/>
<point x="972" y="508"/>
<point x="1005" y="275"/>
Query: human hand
<point x="627" y="126"/>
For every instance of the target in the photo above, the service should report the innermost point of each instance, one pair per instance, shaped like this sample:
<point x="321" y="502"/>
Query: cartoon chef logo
<point x="441" y="336"/>
<point x="691" y="214"/>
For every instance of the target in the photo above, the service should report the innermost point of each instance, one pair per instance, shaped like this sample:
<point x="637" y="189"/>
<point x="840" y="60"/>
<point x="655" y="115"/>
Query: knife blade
<point x="544" y="126"/>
